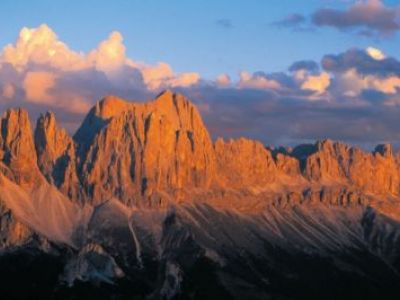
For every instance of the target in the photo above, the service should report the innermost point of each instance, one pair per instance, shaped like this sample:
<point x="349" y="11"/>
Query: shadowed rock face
<point x="56" y="155"/>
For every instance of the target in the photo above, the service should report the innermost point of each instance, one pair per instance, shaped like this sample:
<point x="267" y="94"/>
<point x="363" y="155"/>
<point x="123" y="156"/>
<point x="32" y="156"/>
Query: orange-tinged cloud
<point x="8" y="91"/>
<point x="162" y="76"/>
<point x="154" y="76"/>
<point x="257" y="82"/>
<point x="42" y="63"/>
<point x="318" y="83"/>
<point x="386" y="85"/>
<point x="352" y="83"/>
<point x="223" y="80"/>
<point x="37" y="86"/>
<point x="184" y="80"/>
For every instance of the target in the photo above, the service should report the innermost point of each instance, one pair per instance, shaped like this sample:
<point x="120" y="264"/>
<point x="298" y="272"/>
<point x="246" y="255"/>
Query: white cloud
<point x="375" y="53"/>
<point x="48" y="71"/>
<point x="109" y="55"/>
<point x="41" y="46"/>
<point x="162" y="76"/>
<point x="351" y="83"/>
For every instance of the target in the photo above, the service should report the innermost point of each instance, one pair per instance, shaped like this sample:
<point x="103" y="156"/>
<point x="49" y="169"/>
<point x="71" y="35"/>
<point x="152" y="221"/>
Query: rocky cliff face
<point x="376" y="172"/>
<point x="17" y="149"/>
<point x="141" y="150"/>
<point x="160" y="151"/>
<point x="56" y="156"/>
<point x="242" y="163"/>
<point x="322" y="219"/>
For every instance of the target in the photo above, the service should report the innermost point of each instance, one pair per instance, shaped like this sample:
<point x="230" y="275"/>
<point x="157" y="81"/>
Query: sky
<point x="281" y="71"/>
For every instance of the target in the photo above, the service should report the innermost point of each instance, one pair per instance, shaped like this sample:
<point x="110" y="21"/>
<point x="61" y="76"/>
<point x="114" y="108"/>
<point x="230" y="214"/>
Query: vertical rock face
<point x="17" y="149"/>
<point x="140" y="149"/>
<point x="18" y="163"/>
<point x="329" y="162"/>
<point x="243" y="163"/>
<point x="376" y="172"/>
<point x="12" y="232"/>
<point x="56" y="155"/>
<point x="145" y="153"/>
<point x="288" y="165"/>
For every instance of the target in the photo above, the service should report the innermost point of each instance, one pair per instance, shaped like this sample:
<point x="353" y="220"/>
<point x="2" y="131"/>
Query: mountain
<point x="141" y="203"/>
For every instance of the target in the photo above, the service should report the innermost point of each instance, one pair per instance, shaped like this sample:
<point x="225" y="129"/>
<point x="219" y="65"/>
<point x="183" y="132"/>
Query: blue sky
<point x="186" y="34"/>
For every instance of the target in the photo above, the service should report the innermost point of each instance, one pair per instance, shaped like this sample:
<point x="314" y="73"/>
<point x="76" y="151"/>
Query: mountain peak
<point x="165" y="94"/>
<point x="47" y="120"/>
<point x="136" y="149"/>
<point x="111" y="106"/>
<point x="17" y="150"/>
<point x="56" y="155"/>
<point x="385" y="150"/>
<point x="15" y="125"/>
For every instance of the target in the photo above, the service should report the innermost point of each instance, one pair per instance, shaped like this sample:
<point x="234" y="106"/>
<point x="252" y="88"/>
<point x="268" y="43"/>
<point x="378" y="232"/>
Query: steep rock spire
<point x="17" y="154"/>
<point x="56" y="155"/>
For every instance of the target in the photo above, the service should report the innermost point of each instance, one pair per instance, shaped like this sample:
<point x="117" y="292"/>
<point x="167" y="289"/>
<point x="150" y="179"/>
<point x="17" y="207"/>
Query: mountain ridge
<point x="153" y="149"/>
<point x="142" y="197"/>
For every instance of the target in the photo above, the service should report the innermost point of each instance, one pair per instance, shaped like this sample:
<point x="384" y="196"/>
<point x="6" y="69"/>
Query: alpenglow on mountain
<point x="141" y="204"/>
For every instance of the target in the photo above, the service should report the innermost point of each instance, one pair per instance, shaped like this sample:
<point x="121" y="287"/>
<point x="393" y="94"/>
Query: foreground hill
<point x="141" y="203"/>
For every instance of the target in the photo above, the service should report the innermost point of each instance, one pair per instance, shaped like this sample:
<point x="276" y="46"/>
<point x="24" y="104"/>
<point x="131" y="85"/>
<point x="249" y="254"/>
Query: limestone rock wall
<point x="148" y="153"/>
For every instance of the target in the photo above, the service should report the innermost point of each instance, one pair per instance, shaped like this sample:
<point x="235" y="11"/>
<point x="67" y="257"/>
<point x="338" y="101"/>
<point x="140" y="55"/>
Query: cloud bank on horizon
<point x="352" y="96"/>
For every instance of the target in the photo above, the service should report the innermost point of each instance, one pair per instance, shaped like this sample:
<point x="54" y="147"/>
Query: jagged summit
<point x="17" y="151"/>
<point x="110" y="106"/>
<point x="145" y="148"/>
<point x="141" y="187"/>
<point x="386" y="150"/>
<point x="166" y="103"/>
<point x="160" y="151"/>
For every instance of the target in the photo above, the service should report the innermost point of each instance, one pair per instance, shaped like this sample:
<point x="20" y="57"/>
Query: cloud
<point x="40" y="69"/>
<point x="291" y="21"/>
<point x="308" y="65"/>
<point x="390" y="85"/>
<point x="224" y="23"/>
<point x="276" y="119"/>
<point x="154" y="77"/>
<point x="363" y="62"/>
<point x="40" y="46"/>
<point x="223" y="80"/>
<point x="318" y="83"/>
<point x="109" y="55"/>
<point x="352" y="96"/>
<point x="8" y="91"/>
<point x="369" y="17"/>
<point x="356" y="83"/>
<point x="375" y="53"/>
<point x="257" y="81"/>
<point x="37" y="86"/>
